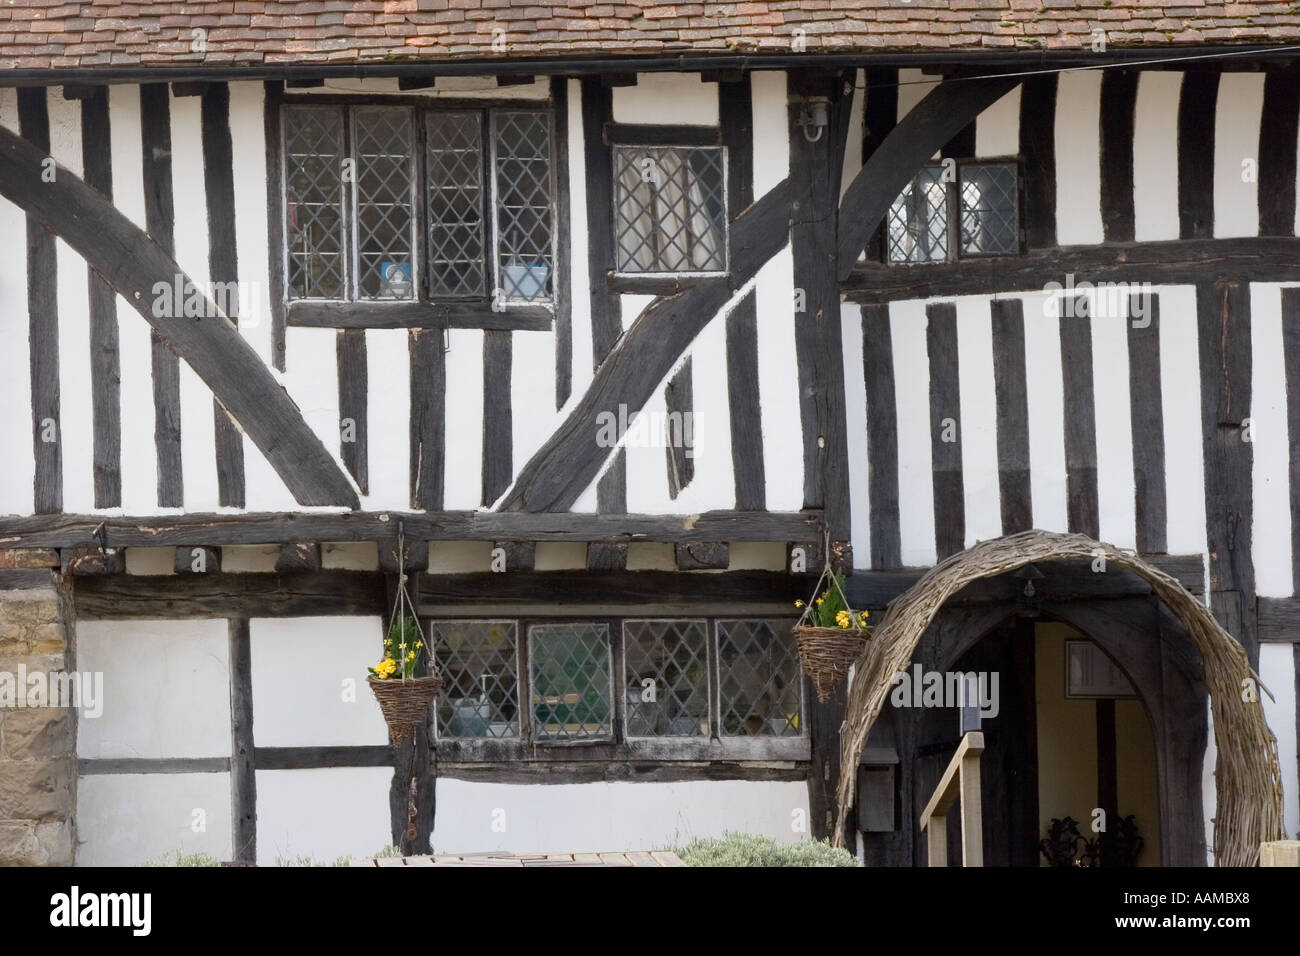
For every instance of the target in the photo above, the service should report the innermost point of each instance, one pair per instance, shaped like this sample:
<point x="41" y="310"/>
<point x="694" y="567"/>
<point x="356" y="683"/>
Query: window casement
<point x="670" y="210"/>
<point x="661" y="687"/>
<point x="397" y="203"/>
<point x="956" y="210"/>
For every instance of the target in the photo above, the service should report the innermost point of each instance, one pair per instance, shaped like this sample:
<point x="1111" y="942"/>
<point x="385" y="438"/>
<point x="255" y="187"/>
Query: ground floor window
<point x="617" y="679"/>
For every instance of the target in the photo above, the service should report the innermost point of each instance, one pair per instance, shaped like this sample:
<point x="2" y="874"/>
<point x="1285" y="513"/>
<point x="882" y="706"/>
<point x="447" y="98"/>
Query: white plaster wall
<point x="132" y="819"/>
<point x="1045" y="391"/>
<point x="907" y="324"/>
<point x="323" y="814"/>
<point x="388" y="417"/>
<point x="1271" y="530"/>
<point x="1236" y="139"/>
<point x="166" y="688"/>
<point x="853" y="147"/>
<point x="463" y="478"/>
<point x="75" y="397"/>
<point x="675" y="99"/>
<point x="15" y="369"/>
<point x="1155" y="138"/>
<point x="309" y="681"/>
<point x="855" y="419"/>
<point x="606" y="816"/>
<point x="139" y="456"/>
<point x="580" y="307"/>
<point x="778" y="384"/>
<point x="771" y="130"/>
<point x="312" y="381"/>
<point x="1112" y="412"/>
<point x="1078" y="158"/>
<point x="1277" y="671"/>
<point x="532" y="394"/>
<point x="997" y="129"/>
<point x="248" y="140"/>
<point x="978" y="420"/>
<point x="1180" y="388"/>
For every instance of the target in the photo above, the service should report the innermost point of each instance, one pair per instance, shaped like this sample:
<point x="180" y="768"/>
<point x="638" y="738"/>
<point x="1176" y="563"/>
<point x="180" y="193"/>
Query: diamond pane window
<point x="454" y="173"/>
<point x="478" y="663"/>
<point x="670" y="209"/>
<point x="385" y="207"/>
<point x="990" y="219"/>
<point x="758" y="679"/>
<point x="315" y="230"/>
<point x="572" y="691"/>
<point x="522" y="167"/>
<point x="667" y="670"/>
<point x="918" y="220"/>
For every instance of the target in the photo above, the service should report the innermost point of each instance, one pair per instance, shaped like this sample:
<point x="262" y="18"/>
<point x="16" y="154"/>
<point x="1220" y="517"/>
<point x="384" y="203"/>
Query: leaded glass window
<point x="405" y="203"/>
<point x="572" y="680"/>
<point x="479" y="666"/>
<point x="669" y="209"/>
<point x="385" y="203"/>
<point x="990" y="219"/>
<point x="457" y="265"/>
<point x="522" y="167"/>
<point x="954" y="210"/>
<point x="314" y="223"/>
<point x="667" y="685"/>
<point x="918" y="219"/>
<point x="759" y="686"/>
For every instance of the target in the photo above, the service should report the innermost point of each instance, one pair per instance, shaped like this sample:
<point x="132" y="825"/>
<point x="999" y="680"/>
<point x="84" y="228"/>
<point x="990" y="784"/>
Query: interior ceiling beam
<point x="133" y="265"/>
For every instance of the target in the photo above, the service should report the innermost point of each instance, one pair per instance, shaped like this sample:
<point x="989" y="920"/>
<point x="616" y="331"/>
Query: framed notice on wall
<point x="1090" y="674"/>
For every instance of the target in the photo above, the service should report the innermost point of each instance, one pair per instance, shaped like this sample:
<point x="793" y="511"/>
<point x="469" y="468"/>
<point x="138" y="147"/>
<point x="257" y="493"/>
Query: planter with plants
<point x="830" y="635"/>
<point x="404" y="695"/>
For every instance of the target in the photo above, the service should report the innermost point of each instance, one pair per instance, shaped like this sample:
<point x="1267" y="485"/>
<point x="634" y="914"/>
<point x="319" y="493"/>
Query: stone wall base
<point x="38" y="745"/>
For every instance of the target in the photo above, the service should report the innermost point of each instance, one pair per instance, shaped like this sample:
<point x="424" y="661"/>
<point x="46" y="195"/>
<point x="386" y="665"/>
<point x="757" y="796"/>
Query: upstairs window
<point x="953" y="212"/>
<point x="670" y="210"/>
<point x="395" y="203"/>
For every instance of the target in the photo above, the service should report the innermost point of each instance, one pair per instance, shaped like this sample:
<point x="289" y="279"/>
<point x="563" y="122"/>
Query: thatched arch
<point x="1249" y="807"/>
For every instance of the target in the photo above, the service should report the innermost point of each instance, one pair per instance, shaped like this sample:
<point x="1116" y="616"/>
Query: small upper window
<point x="949" y="212"/>
<point x="670" y="210"/>
<point x="359" y="180"/>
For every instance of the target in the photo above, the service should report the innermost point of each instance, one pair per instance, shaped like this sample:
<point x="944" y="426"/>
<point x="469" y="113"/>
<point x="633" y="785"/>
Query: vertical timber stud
<point x="563" y="286"/>
<point x="223" y="267"/>
<point x="1277" y="142"/>
<point x="274" y="93"/>
<point x="945" y="429"/>
<point x="160" y="221"/>
<point x="817" y="158"/>
<point x="1223" y="324"/>
<point x="43" y="327"/>
<point x="1147" y="418"/>
<point x="105" y="367"/>
<point x="736" y="112"/>
<point x="606" y="322"/>
<point x="882" y="437"/>
<point x="1012" y="399"/>
<point x="243" y="769"/>
<point x="428" y="417"/>
<point x="415" y="765"/>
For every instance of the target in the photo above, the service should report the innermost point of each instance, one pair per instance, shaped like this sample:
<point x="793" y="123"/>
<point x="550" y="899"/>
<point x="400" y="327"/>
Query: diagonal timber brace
<point x="131" y="263"/>
<point x="569" y="461"/>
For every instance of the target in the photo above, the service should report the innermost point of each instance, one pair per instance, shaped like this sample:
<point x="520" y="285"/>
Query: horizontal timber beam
<point x="416" y="315"/>
<point x="218" y="530"/>
<point x="100" y="766"/>
<point x="222" y="595"/>
<point x="1279" y="620"/>
<point x="1178" y="261"/>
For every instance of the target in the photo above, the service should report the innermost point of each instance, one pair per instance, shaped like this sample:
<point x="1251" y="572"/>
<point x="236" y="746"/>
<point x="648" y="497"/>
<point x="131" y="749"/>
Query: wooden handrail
<point x="961" y="779"/>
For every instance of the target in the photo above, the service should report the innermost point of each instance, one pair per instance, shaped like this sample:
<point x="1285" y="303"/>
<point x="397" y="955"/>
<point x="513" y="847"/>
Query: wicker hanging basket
<point x="404" y="703"/>
<point x="827" y="653"/>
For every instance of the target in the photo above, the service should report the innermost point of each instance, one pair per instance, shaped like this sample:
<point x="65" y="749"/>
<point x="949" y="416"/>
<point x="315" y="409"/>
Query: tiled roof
<point x="38" y="34"/>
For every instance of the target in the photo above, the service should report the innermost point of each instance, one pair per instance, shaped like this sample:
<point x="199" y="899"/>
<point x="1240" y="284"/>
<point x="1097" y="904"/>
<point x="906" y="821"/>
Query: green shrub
<point x="185" y="859"/>
<point x="748" y="849"/>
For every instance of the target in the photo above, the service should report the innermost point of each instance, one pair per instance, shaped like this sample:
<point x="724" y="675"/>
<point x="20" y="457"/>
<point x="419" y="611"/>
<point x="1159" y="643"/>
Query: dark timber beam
<point x="174" y="596"/>
<point x="930" y="124"/>
<point x="569" y="461"/>
<point x="131" y="262"/>
<point x="1262" y="259"/>
<point x="223" y="530"/>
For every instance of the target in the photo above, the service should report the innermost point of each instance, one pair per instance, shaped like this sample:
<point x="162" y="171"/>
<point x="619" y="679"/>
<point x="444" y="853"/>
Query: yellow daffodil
<point x="798" y="603"/>
<point x="819" y="601"/>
